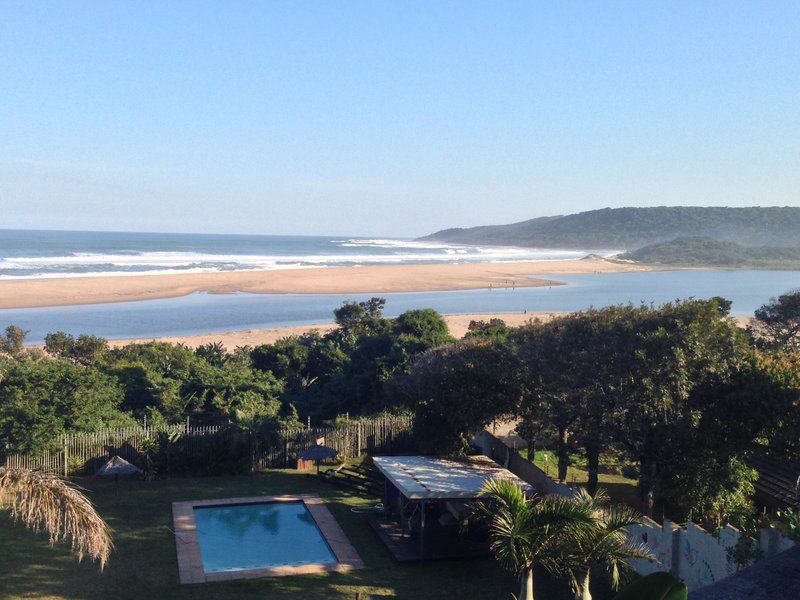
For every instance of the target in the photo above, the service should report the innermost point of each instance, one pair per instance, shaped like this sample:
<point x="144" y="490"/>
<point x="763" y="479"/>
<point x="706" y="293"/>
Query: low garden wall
<point x="694" y="555"/>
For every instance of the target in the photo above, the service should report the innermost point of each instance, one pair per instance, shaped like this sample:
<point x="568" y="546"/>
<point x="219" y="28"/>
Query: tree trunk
<point x="532" y="449"/>
<point x="593" y="460"/>
<point x="563" y="453"/>
<point x="526" y="585"/>
<point x="583" y="592"/>
<point x="647" y="477"/>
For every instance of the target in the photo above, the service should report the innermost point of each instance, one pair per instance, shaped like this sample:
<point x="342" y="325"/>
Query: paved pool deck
<point x="187" y="543"/>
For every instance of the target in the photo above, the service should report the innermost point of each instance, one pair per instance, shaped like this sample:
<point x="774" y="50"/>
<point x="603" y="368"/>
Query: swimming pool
<point x="254" y="536"/>
<point x="259" y="537"/>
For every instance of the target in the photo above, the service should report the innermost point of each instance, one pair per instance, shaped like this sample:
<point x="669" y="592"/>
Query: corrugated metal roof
<point x="427" y="477"/>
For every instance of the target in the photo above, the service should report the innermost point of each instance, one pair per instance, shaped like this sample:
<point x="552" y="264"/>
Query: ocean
<point x="28" y="254"/>
<point x="42" y="254"/>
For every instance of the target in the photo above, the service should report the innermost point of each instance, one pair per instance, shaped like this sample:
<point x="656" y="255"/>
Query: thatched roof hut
<point x="117" y="466"/>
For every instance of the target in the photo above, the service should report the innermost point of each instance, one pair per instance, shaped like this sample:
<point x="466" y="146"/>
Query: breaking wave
<point x="316" y="253"/>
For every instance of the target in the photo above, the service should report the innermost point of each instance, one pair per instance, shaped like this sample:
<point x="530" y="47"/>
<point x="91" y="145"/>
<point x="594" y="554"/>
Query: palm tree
<point x="526" y="533"/>
<point x="42" y="501"/>
<point x="604" y="545"/>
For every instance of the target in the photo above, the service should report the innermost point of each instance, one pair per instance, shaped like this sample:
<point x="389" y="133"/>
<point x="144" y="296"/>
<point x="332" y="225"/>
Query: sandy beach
<point x="458" y="325"/>
<point x="333" y="280"/>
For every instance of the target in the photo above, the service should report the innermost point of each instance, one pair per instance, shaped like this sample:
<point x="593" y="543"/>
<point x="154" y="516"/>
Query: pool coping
<point x="187" y="543"/>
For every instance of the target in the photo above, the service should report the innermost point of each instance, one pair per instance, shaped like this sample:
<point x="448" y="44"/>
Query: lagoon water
<point x="201" y="313"/>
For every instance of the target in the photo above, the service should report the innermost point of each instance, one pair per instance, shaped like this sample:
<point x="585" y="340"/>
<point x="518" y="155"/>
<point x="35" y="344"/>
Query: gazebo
<point x="117" y="467"/>
<point x="414" y="482"/>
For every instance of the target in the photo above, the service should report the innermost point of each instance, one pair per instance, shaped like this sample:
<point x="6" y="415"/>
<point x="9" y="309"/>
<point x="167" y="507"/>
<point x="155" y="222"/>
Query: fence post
<point x="66" y="446"/>
<point x="253" y="450"/>
<point x="358" y="433"/>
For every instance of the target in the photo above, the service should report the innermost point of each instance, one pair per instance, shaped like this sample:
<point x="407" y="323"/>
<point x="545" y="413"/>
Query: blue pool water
<point x="254" y="536"/>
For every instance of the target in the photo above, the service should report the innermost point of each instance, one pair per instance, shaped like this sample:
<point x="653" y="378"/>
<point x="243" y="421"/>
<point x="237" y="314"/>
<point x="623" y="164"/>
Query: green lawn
<point x="144" y="563"/>
<point x="619" y="487"/>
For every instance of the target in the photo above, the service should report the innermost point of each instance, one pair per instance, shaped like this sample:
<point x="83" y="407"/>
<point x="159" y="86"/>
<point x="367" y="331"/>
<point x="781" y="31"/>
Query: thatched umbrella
<point x="117" y="466"/>
<point x="318" y="453"/>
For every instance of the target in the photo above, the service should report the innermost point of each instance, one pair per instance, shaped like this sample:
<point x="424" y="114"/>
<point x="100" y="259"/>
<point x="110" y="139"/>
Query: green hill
<point x="631" y="228"/>
<point x="699" y="251"/>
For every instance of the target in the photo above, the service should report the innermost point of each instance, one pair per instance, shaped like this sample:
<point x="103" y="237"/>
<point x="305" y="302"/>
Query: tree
<point x="425" y="324"/>
<point x="42" y="501"/>
<point x="777" y="323"/>
<point x="550" y="380"/>
<point x="604" y="545"/>
<point x="624" y="377"/>
<point x="728" y="418"/>
<point x="713" y="492"/>
<point x="287" y="359"/>
<point x="84" y="350"/>
<point x="781" y="387"/>
<point x="528" y="533"/>
<point x="493" y="328"/>
<point x="361" y="317"/>
<point x="672" y="351"/>
<point x="41" y="399"/>
<point x="13" y="341"/>
<point x="456" y="390"/>
<point x="213" y="353"/>
<point x="601" y="336"/>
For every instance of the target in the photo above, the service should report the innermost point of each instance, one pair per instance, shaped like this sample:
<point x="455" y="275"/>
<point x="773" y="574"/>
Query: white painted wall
<point x="694" y="555"/>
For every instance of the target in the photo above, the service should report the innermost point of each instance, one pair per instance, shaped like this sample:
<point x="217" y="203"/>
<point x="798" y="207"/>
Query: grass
<point x="144" y="564"/>
<point x="619" y="488"/>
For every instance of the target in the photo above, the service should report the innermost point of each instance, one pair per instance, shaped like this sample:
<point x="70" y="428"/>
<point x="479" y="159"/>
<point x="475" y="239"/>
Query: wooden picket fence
<point x="83" y="453"/>
<point x="364" y="436"/>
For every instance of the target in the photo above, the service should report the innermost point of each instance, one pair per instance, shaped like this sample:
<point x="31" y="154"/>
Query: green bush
<point x="222" y="453"/>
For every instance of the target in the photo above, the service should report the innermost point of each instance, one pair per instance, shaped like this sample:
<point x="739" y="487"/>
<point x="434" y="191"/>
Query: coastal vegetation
<point x="80" y="384"/>
<point x="634" y="227"/>
<point x="707" y="252"/>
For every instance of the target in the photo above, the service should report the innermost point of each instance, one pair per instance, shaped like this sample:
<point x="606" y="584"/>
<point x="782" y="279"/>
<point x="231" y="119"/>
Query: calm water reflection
<point x="199" y="313"/>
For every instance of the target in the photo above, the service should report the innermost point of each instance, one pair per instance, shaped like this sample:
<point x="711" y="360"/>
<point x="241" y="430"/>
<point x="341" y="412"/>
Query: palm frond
<point x="510" y="520"/>
<point x="42" y="501"/>
<point x="620" y="516"/>
<point x="561" y="511"/>
<point x="605" y="543"/>
<point x="505" y="491"/>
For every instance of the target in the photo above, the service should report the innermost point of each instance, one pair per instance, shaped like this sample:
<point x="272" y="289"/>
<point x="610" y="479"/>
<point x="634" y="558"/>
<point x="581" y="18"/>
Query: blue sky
<point x="389" y="118"/>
